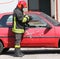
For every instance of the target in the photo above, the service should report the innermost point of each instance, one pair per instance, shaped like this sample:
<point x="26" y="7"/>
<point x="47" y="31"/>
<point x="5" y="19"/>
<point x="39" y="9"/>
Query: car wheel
<point x="1" y="47"/>
<point x="5" y="50"/>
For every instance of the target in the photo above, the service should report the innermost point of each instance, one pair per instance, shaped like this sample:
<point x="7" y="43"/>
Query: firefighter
<point x="18" y="26"/>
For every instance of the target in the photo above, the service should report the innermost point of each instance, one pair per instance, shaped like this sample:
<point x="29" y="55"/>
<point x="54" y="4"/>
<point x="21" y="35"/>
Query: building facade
<point x="50" y="7"/>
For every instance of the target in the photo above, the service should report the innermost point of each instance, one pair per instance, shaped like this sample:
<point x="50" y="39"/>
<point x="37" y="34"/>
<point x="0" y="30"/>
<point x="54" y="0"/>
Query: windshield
<point x="50" y="19"/>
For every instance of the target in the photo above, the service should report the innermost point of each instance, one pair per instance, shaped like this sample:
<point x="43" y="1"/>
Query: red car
<point x="43" y="31"/>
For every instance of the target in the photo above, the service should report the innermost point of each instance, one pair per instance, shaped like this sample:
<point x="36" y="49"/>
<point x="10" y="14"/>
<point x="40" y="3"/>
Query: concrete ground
<point x="33" y="54"/>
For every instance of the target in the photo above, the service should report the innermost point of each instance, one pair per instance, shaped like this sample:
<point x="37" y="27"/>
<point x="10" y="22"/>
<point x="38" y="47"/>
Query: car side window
<point x="6" y="21"/>
<point x="36" y="21"/>
<point x="9" y="20"/>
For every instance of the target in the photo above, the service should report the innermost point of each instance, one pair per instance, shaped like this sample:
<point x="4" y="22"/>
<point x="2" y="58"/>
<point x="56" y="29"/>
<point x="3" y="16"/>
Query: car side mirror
<point x="48" y="26"/>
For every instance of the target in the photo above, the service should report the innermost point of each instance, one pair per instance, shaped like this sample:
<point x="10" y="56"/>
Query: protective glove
<point x="27" y="16"/>
<point x="25" y="19"/>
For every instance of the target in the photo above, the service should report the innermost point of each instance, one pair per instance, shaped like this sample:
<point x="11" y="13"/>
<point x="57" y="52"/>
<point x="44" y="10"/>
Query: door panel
<point x="42" y="37"/>
<point x="38" y="34"/>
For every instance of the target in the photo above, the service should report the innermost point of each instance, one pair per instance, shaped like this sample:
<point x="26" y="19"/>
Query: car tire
<point x="5" y="50"/>
<point x="1" y="47"/>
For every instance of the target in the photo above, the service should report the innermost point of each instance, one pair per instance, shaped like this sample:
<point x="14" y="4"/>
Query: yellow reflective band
<point x="14" y="28"/>
<point x="18" y="30"/>
<point x="24" y="20"/>
<point x="14" y="22"/>
<point x="17" y="46"/>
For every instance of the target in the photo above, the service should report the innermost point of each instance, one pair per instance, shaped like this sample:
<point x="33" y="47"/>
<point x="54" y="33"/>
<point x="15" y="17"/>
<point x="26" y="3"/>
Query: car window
<point x="36" y="20"/>
<point x="9" y="19"/>
<point x="6" y="21"/>
<point x="50" y="19"/>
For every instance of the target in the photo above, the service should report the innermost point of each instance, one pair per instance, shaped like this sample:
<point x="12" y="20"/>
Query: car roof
<point x="33" y="12"/>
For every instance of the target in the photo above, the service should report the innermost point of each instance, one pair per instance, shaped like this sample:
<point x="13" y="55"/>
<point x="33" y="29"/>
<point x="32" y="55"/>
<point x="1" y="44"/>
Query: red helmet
<point x="20" y="3"/>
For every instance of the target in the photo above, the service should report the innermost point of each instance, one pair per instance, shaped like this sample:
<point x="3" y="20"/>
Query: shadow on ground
<point x="32" y="52"/>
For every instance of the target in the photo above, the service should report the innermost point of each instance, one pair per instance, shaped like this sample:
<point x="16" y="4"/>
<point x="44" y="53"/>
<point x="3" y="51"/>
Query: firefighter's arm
<point x="25" y="19"/>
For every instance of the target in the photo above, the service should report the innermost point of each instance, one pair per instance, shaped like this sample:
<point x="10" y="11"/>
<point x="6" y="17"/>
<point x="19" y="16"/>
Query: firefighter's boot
<point x="18" y="53"/>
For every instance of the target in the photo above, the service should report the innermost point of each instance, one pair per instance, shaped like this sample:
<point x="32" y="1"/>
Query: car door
<point x="6" y="25"/>
<point x="40" y="33"/>
<point x="5" y="29"/>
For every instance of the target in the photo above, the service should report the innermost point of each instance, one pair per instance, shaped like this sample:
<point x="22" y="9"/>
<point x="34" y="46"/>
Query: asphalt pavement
<point x="33" y="54"/>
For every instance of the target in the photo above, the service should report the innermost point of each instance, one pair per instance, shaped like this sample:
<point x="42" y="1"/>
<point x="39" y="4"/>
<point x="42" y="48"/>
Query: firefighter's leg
<point x="18" y="52"/>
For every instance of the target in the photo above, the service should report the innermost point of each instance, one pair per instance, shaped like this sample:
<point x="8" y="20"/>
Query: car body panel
<point x="39" y="36"/>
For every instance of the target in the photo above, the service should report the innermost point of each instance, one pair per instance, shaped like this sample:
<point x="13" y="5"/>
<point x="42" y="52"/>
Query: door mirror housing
<point x="48" y="26"/>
